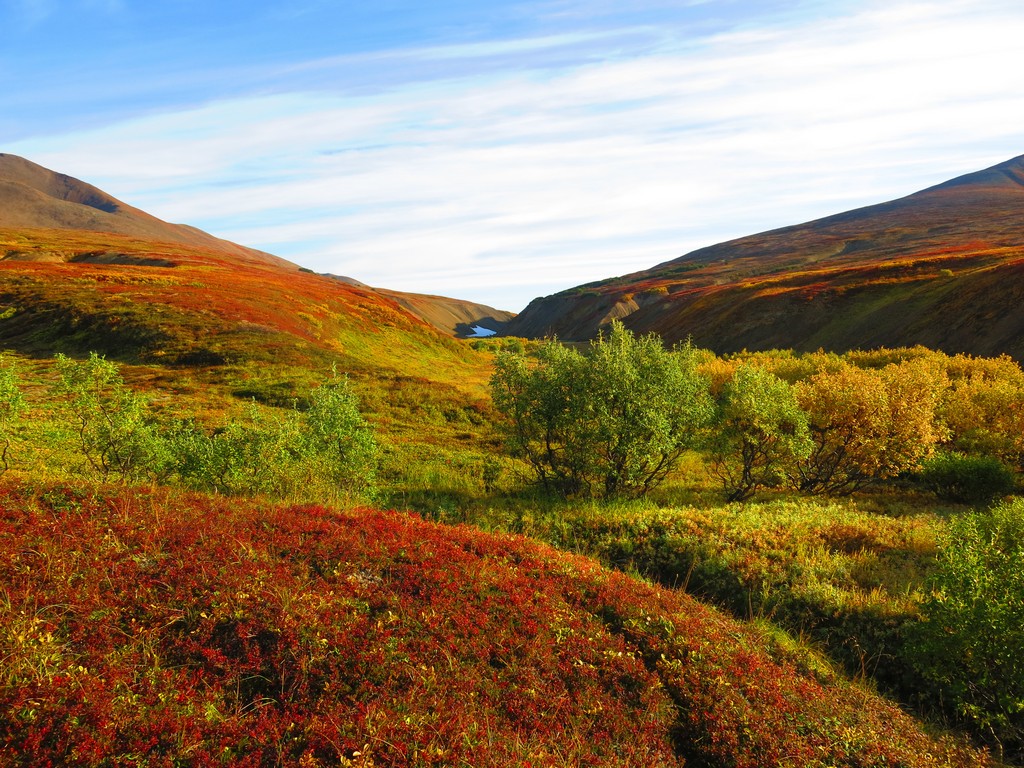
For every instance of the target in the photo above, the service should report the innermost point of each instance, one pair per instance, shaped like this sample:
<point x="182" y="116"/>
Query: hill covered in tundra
<point x="943" y="268"/>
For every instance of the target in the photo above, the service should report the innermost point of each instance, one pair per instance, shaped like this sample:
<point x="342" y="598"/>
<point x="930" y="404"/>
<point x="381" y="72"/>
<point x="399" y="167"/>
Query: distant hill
<point x="454" y="316"/>
<point x="943" y="267"/>
<point x="83" y="271"/>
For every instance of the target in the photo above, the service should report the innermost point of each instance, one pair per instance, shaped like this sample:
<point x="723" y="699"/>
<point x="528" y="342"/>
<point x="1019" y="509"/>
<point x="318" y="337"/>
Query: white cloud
<point x="501" y="186"/>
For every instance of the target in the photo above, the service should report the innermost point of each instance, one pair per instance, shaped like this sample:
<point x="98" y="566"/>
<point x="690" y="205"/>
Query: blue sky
<point x="505" y="150"/>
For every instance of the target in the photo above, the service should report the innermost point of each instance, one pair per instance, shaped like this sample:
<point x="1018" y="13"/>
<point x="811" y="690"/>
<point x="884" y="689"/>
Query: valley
<point x="226" y="599"/>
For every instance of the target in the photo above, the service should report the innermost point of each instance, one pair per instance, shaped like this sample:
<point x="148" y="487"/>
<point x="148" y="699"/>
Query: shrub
<point x="11" y="406"/>
<point x="971" y="645"/>
<point x="328" y="451"/>
<point x="337" y="446"/>
<point x="967" y="479"/>
<point x="252" y="455"/>
<point x="761" y="432"/>
<point x="611" y="422"/>
<point x="866" y="424"/>
<point x="983" y="408"/>
<point x="112" y="424"/>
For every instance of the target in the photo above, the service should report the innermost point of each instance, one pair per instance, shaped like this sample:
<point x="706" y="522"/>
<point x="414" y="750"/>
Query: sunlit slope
<point x="218" y="632"/>
<point x="154" y="302"/>
<point x="942" y="267"/>
<point x="82" y="271"/>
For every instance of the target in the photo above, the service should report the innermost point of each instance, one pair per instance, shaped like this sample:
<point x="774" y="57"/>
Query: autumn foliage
<point x="203" y="632"/>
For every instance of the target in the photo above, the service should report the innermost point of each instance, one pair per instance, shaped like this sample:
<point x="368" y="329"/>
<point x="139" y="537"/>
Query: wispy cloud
<point x="503" y="183"/>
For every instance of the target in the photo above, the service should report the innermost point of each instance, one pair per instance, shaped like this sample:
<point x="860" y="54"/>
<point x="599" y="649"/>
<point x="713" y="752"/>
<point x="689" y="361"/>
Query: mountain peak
<point x="59" y="186"/>
<point x="34" y="197"/>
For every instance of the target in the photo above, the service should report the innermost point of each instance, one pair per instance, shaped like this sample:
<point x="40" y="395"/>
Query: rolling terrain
<point x="193" y="630"/>
<point x="75" y="258"/>
<point x="943" y="268"/>
<point x="175" y="623"/>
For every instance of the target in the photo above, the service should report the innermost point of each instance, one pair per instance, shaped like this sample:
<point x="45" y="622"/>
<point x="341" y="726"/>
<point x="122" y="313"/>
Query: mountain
<point x="455" y="316"/>
<point x="943" y="267"/>
<point x="83" y="271"/>
<point x="34" y="197"/>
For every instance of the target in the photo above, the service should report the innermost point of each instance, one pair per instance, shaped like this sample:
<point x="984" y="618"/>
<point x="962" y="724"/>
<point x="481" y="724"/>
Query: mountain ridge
<point x="34" y="200"/>
<point x="878" y="275"/>
<point x="35" y="197"/>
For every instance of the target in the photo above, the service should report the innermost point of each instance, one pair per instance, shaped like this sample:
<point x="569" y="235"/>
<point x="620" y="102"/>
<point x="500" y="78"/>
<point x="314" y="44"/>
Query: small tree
<point x="112" y="424"/>
<point x="761" y="433"/>
<point x="611" y="422"/>
<point x="12" y="404"/>
<point x="970" y="646"/>
<point x="547" y="420"/>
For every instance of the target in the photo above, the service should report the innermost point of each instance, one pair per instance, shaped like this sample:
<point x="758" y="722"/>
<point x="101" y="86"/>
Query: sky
<point x="503" y="150"/>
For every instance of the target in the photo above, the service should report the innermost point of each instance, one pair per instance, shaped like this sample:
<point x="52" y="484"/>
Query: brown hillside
<point x="455" y="316"/>
<point x="941" y="267"/>
<point x="37" y="198"/>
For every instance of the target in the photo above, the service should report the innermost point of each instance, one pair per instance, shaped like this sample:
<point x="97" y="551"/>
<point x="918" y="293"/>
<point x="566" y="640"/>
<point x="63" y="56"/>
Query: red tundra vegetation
<point x="158" y="628"/>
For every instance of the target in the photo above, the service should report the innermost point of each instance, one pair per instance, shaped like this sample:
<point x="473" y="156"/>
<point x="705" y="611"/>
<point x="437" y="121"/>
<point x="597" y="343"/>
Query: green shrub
<point x="328" y="452"/>
<point x="609" y="422"/>
<point x="761" y="432"/>
<point x="11" y="406"/>
<point x="252" y="455"/>
<point x="336" y="445"/>
<point x="967" y="479"/>
<point x="970" y="647"/>
<point x="112" y="425"/>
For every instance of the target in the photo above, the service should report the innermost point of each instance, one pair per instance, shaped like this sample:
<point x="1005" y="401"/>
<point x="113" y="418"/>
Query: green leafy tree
<point x="548" y="422"/>
<point x="970" y="646"/>
<point x="761" y="432"/>
<point x="647" y="404"/>
<point x="12" y="404"/>
<point x="112" y="424"/>
<point x="612" y="421"/>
